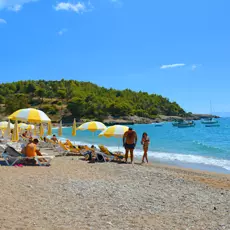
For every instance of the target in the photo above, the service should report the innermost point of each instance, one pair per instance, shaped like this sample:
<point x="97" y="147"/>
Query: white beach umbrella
<point x="114" y="131"/>
<point x="30" y="115"/>
<point x="92" y="126"/>
<point x="4" y="125"/>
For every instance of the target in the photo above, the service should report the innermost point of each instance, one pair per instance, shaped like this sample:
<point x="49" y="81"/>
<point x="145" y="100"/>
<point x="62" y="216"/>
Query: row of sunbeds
<point x="12" y="156"/>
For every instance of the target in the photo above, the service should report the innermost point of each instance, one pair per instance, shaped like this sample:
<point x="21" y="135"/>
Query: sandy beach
<point x="75" y="194"/>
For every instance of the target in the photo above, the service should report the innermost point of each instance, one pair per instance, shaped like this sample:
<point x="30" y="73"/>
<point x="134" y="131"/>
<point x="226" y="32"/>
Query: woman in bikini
<point x="145" y="142"/>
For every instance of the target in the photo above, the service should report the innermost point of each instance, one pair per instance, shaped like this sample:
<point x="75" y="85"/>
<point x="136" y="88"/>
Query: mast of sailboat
<point x="210" y="107"/>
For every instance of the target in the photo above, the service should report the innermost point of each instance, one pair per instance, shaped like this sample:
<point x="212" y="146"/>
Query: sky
<point x="179" y="49"/>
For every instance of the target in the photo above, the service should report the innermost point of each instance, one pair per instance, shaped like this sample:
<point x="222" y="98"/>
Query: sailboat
<point x="210" y="122"/>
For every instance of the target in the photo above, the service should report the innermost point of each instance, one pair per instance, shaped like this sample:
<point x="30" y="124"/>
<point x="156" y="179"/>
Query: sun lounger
<point x="11" y="157"/>
<point x="66" y="150"/>
<point x="103" y="157"/>
<point x="116" y="155"/>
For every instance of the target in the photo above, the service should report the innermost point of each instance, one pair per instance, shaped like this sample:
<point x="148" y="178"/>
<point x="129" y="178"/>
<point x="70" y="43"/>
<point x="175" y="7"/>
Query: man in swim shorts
<point x="129" y="143"/>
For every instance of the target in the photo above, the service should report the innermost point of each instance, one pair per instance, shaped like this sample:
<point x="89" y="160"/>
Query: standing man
<point x="129" y="142"/>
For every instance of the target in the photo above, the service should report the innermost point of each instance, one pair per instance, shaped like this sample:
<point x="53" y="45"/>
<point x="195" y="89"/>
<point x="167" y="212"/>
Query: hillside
<point x="83" y="100"/>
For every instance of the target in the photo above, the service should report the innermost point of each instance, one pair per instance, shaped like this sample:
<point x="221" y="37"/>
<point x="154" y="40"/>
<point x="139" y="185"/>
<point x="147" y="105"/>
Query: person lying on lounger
<point x="54" y="139"/>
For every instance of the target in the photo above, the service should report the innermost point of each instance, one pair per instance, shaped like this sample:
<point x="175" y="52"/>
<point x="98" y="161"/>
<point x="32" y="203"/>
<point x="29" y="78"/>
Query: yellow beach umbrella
<point x="49" y="132"/>
<point x="22" y="126"/>
<point x="41" y="130"/>
<point x="8" y="129"/>
<point x="30" y="127"/>
<point x="30" y="115"/>
<point x="4" y="125"/>
<point x="74" y="129"/>
<point x="60" y="129"/>
<point x="114" y="131"/>
<point x="15" y="136"/>
<point x="92" y="126"/>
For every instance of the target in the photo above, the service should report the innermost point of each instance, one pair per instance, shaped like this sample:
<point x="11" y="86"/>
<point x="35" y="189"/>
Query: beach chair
<point x="62" y="149"/>
<point x="103" y="157"/>
<point x="67" y="150"/>
<point x="117" y="155"/>
<point x="12" y="156"/>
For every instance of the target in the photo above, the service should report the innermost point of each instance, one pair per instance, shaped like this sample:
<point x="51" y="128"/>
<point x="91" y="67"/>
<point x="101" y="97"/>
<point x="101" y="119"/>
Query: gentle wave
<point x="186" y="158"/>
<point x="209" y="147"/>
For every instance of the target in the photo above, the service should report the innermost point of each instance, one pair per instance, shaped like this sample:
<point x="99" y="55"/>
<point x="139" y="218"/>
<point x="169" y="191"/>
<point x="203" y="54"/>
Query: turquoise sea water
<point x="197" y="147"/>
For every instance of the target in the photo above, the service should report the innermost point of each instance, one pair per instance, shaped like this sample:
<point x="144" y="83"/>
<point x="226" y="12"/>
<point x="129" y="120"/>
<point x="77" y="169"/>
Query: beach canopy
<point x="114" y="131"/>
<point x="30" y="115"/>
<point x="92" y="126"/>
<point x="4" y="125"/>
<point x="74" y="128"/>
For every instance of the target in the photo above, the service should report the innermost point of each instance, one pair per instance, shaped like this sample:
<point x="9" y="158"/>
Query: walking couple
<point x="130" y="141"/>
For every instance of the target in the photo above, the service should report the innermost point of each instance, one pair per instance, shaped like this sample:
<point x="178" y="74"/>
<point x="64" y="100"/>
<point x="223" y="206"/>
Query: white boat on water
<point x="209" y="121"/>
<point x="158" y="124"/>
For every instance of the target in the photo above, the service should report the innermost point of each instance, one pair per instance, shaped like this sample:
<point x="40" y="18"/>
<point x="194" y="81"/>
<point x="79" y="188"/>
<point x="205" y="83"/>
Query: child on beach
<point x="145" y="142"/>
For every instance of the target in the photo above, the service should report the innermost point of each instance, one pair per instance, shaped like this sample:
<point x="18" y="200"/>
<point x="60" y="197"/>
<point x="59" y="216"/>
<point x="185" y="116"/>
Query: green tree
<point x="77" y="107"/>
<point x="15" y="102"/>
<point x="40" y="92"/>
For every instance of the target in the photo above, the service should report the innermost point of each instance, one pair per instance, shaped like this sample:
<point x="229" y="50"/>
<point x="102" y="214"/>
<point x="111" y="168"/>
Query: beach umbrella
<point x="15" y="136"/>
<point x="92" y="126"/>
<point x="49" y="132"/>
<point x="60" y="129"/>
<point x="8" y="129"/>
<point x="74" y="128"/>
<point x="22" y="126"/>
<point x="30" y="127"/>
<point x="114" y="131"/>
<point x="30" y="115"/>
<point x="41" y="130"/>
<point x="4" y="125"/>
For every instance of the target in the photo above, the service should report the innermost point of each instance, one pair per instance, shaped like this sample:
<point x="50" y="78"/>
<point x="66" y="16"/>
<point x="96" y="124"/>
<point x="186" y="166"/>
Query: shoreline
<point x="175" y="162"/>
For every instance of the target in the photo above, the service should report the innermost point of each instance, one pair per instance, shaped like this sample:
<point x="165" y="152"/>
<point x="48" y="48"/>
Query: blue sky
<point x="176" y="48"/>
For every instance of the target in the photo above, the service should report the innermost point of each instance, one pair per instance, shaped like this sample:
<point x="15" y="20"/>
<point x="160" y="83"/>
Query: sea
<point x="199" y="147"/>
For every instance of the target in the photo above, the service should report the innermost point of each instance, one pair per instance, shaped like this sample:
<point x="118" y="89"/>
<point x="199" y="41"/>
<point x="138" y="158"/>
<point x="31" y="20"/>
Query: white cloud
<point x="172" y="66"/>
<point x="117" y="2"/>
<point x="195" y="66"/>
<point x="79" y="7"/>
<point x="15" y="8"/>
<point x="62" y="31"/>
<point x="14" y="5"/>
<point x="2" y="21"/>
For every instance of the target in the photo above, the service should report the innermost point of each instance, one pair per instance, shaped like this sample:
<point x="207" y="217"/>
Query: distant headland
<point x="65" y="100"/>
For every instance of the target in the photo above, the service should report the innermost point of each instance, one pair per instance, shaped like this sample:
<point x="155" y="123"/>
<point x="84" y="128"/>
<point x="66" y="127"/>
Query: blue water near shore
<point x="199" y="147"/>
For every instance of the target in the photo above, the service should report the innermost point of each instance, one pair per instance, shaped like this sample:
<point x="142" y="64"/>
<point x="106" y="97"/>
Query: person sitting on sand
<point x="54" y="138"/>
<point x="145" y="142"/>
<point x="129" y="142"/>
<point x="32" y="151"/>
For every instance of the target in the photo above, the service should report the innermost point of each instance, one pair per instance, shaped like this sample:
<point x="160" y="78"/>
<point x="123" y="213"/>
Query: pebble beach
<point x="75" y="194"/>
